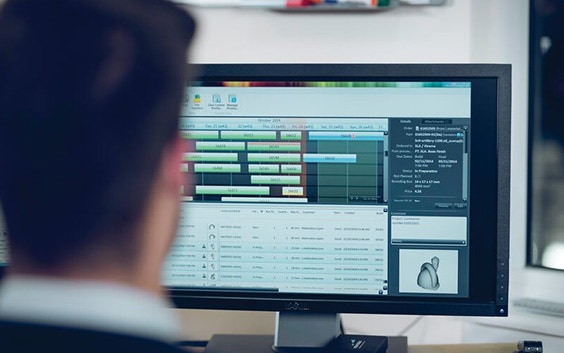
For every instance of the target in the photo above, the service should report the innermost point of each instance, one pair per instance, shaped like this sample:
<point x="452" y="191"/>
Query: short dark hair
<point x="76" y="165"/>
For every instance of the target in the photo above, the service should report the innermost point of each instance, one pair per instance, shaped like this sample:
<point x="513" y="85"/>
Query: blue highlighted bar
<point x="347" y="135"/>
<point x="329" y="158"/>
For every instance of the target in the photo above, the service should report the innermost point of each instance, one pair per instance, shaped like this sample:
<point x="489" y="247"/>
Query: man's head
<point x="90" y="92"/>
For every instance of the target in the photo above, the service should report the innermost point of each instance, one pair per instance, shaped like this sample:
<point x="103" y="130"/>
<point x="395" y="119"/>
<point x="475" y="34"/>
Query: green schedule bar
<point x="210" y="157"/>
<point x="220" y="146"/>
<point x="232" y="190"/>
<point x="274" y="157"/>
<point x="292" y="168"/>
<point x="275" y="179"/>
<point x="216" y="168"/>
<point x="290" y="135"/>
<point x="274" y="146"/>
<point x="264" y="168"/>
<point x="200" y="135"/>
<point x="248" y="135"/>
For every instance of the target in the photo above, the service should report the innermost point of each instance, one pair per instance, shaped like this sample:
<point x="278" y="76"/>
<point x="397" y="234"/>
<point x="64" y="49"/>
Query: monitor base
<point x="264" y="344"/>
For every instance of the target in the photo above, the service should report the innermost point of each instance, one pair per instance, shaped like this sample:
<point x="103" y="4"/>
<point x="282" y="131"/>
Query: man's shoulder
<point x="19" y="337"/>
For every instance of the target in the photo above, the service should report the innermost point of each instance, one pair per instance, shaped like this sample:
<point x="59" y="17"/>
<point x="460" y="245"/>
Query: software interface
<point x="325" y="187"/>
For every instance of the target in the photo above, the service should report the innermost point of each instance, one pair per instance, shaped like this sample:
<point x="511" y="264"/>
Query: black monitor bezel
<point x="494" y="305"/>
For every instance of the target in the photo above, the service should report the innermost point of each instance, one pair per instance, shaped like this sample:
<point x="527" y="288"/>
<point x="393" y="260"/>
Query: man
<point x="90" y="175"/>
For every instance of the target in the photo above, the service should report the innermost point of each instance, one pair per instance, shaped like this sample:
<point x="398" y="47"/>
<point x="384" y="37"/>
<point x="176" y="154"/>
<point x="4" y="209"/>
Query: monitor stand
<point x="305" y="330"/>
<point x="306" y="333"/>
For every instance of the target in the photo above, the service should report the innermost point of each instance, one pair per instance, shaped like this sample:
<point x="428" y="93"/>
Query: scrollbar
<point x="465" y="166"/>
<point x="386" y="167"/>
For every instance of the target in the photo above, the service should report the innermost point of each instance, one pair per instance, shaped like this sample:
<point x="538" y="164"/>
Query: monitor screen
<point x="345" y="189"/>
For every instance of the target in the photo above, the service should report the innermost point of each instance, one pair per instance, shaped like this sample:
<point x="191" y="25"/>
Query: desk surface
<point x="262" y="344"/>
<point x="442" y="348"/>
<point x="465" y="348"/>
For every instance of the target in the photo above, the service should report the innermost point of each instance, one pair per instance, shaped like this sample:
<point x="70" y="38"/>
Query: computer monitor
<point x="318" y="189"/>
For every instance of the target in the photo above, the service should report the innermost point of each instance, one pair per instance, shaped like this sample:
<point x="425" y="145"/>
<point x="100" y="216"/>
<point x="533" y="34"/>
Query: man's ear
<point x="158" y="226"/>
<point x="171" y="162"/>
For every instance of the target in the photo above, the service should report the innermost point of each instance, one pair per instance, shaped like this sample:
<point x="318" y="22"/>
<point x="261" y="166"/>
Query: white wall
<point x="411" y="34"/>
<point x="462" y="31"/>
